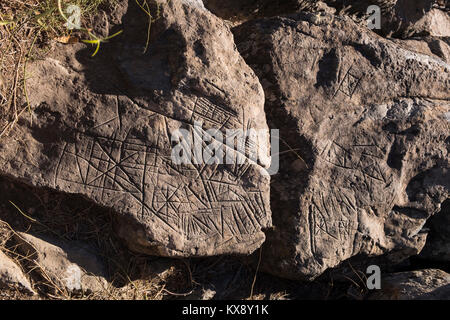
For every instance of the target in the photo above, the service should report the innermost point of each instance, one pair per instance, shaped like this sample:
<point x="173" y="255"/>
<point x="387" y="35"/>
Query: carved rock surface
<point x="428" y="284"/>
<point x="102" y="128"/>
<point x="365" y="141"/>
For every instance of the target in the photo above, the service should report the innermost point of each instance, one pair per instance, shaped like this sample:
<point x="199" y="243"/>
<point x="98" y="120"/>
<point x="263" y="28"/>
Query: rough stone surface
<point x="436" y="23"/>
<point x="102" y="128"/>
<point x="431" y="46"/>
<point x="438" y="243"/>
<point x="11" y="276"/>
<point x="365" y="134"/>
<point x="237" y="10"/>
<point x="402" y="18"/>
<point x="399" y="18"/>
<point x="69" y="266"/>
<point x="364" y="125"/>
<point x="429" y="284"/>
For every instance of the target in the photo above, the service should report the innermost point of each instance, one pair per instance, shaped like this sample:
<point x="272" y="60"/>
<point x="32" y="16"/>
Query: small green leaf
<point x="96" y="50"/>
<point x="114" y="35"/>
<point x="98" y="41"/>
<point x="91" y="41"/>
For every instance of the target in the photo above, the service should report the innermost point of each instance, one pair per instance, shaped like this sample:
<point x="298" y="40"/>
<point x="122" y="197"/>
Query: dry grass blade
<point x="26" y="27"/>
<point x="256" y="274"/>
<point x="145" y="7"/>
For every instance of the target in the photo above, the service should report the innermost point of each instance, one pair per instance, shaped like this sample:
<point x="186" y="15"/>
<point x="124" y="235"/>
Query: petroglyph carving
<point x="361" y="148"/>
<point x="349" y="83"/>
<point x="199" y="201"/>
<point x="110" y="141"/>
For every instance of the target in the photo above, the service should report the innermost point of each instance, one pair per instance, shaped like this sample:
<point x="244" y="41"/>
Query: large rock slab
<point x="365" y="134"/>
<point x="103" y="127"/>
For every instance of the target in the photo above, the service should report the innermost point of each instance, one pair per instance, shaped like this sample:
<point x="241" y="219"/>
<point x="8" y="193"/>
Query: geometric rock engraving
<point x="349" y="84"/>
<point x="211" y="203"/>
<point x="375" y="162"/>
<point x="106" y="133"/>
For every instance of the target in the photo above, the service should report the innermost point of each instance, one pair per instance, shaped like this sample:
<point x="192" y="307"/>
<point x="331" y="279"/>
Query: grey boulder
<point x="364" y="134"/>
<point x="103" y="127"/>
